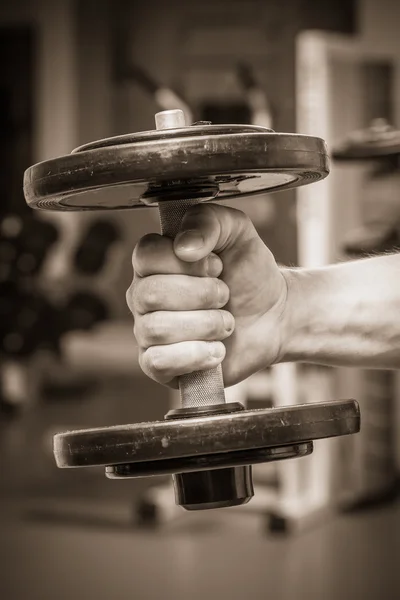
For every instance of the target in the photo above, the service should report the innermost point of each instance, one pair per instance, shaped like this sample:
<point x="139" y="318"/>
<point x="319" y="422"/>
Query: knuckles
<point x="149" y="294"/>
<point x="129" y="297"/>
<point x="145" y="295"/>
<point x="149" y="330"/>
<point x="162" y="328"/>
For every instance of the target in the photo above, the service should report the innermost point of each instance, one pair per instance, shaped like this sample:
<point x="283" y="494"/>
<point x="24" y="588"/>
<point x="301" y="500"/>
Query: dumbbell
<point x="82" y="311"/>
<point x="90" y="256"/>
<point x="37" y="238"/>
<point x="24" y="245"/>
<point x="28" y="321"/>
<point x="207" y="445"/>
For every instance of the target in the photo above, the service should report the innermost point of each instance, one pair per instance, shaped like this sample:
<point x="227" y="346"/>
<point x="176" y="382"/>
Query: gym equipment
<point x="202" y="162"/>
<point x="91" y="254"/>
<point x="28" y="321"/>
<point x="164" y="96"/>
<point x="378" y="141"/>
<point x="25" y="242"/>
<point x="82" y="311"/>
<point x="379" y="147"/>
<point x="207" y="445"/>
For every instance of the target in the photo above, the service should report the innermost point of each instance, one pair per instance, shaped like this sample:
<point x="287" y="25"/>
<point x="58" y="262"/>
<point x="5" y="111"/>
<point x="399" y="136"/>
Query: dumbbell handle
<point x="200" y="388"/>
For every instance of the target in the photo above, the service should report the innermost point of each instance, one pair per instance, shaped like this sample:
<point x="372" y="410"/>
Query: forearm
<point x="347" y="314"/>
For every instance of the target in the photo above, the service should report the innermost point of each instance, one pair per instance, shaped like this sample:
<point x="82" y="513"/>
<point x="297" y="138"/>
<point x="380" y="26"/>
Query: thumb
<point x="207" y="228"/>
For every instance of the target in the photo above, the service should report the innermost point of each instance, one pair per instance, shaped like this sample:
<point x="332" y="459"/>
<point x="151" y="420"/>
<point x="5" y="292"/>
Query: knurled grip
<point x="200" y="388"/>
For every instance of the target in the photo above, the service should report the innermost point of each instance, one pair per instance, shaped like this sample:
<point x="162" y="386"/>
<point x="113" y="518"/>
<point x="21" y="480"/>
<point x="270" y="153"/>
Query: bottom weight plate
<point x="206" y="435"/>
<point x="208" y="462"/>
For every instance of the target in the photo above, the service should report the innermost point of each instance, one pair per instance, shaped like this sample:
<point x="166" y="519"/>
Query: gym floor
<point x="219" y="556"/>
<point x="225" y="558"/>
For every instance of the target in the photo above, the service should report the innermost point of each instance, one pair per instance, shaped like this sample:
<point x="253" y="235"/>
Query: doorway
<point x="16" y="115"/>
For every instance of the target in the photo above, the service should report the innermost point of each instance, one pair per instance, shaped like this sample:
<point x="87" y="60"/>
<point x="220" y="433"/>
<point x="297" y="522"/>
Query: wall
<point x="379" y="27"/>
<point x="379" y="24"/>
<point x="56" y="89"/>
<point x="73" y="95"/>
<point x="55" y="84"/>
<point x="95" y="92"/>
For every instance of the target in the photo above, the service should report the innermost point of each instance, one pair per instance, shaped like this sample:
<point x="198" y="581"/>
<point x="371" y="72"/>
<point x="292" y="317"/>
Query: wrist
<point x="300" y="321"/>
<point x="317" y="315"/>
<point x="287" y="318"/>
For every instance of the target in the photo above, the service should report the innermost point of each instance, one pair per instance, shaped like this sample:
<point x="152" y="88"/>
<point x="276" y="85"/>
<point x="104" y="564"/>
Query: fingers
<point x="206" y="231"/>
<point x="164" y="363"/>
<point x="176" y="293"/>
<point x="155" y="254"/>
<point x="209" y="228"/>
<point x="164" y="328"/>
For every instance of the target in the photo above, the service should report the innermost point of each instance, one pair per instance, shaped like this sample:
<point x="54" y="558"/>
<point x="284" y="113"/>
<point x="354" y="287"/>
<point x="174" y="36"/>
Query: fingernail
<point x="189" y="240"/>
<point x="229" y="322"/>
<point x="214" y="266"/>
<point x="217" y="350"/>
<point x="223" y="293"/>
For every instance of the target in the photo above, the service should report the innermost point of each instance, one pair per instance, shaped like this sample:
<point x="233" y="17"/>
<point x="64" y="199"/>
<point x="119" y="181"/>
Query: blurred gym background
<point x="72" y="71"/>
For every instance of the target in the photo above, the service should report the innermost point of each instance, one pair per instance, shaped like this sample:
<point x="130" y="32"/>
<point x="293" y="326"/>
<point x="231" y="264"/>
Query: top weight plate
<point x="210" y="162"/>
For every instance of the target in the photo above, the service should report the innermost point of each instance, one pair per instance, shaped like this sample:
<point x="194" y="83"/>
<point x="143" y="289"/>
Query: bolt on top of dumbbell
<point x="207" y="445"/>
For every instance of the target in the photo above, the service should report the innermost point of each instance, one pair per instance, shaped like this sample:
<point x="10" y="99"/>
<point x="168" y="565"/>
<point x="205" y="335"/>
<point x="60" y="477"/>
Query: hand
<point x="214" y="294"/>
